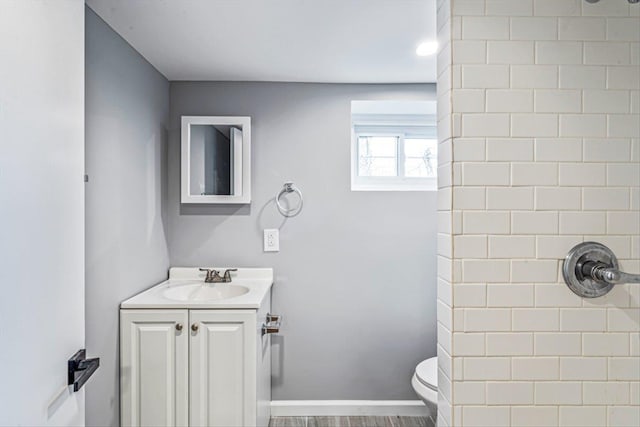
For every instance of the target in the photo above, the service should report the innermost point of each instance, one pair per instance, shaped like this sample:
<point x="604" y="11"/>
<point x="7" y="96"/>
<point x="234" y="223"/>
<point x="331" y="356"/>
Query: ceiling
<point x="336" y="41"/>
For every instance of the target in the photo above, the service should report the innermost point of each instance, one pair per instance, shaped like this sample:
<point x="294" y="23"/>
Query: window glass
<point x="378" y="166"/>
<point x="378" y="146"/>
<point x="377" y="156"/>
<point x="421" y="155"/>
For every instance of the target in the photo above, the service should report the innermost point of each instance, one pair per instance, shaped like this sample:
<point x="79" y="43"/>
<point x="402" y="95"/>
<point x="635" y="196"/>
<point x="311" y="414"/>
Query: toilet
<point x="425" y="383"/>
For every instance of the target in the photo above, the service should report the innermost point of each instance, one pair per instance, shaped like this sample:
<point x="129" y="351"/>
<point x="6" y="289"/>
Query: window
<point x="399" y="156"/>
<point x="392" y="152"/>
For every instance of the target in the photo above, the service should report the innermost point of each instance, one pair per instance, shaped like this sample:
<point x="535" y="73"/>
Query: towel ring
<point x="286" y="189"/>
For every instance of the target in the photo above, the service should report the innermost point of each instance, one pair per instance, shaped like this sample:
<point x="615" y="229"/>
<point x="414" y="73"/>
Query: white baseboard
<point x="316" y="408"/>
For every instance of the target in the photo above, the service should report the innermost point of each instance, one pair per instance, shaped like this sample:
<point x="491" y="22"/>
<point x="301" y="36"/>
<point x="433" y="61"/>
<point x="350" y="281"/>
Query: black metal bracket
<point x="80" y="369"/>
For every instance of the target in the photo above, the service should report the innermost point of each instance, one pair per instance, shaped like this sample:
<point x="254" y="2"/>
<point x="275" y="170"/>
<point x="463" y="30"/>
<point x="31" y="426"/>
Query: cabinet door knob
<point x="178" y="327"/>
<point x="194" y="327"/>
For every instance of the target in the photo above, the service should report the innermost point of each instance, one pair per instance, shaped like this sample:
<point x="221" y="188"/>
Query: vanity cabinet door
<point x="154" y="370"/>
<point x="223" y="368"/>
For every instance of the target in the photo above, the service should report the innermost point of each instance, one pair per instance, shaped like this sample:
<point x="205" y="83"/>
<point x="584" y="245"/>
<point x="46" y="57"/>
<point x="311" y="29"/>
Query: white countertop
<point x="258" y="280"/>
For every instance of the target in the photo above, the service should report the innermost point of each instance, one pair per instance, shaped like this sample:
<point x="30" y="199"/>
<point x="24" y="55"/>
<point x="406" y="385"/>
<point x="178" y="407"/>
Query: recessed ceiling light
<point x="427" y="48"/>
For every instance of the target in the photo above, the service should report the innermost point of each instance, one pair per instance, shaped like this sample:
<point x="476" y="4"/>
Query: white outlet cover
<point x="271" y="240"/>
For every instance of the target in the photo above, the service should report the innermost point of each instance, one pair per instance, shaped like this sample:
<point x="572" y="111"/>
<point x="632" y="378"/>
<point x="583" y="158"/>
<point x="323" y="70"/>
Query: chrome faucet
<point x="213" y="276"/>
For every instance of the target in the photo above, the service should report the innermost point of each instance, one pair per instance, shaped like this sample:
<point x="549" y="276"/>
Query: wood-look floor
<point x="351" y="422"/>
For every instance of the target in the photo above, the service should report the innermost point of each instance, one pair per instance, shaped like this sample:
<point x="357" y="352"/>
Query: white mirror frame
<point x="241" y="163"/>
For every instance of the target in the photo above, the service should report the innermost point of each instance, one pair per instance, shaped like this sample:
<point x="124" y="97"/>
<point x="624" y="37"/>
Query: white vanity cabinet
<point x="154" y="367"/>
<point x="222" y="365"/>
<point x="194" y="368"/>
<point x="188" y="366"/>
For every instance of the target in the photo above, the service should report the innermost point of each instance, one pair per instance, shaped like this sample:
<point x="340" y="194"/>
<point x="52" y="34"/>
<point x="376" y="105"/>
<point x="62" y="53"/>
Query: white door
<point x="154" y="370"/>
<point x="41" y="209"/>
<point x="222" y="380"/>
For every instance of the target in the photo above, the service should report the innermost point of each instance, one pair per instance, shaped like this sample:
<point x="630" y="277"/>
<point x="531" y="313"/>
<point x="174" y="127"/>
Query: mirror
<point x="216" y="159"/>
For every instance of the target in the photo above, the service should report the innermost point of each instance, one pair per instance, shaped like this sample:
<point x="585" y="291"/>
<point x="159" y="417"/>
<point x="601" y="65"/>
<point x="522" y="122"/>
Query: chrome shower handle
<point x="591" y="270"/>
<point x="601" y="272"/>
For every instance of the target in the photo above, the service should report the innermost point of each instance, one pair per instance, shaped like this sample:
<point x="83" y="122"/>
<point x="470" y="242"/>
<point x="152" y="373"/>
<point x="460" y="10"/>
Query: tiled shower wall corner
<point x="540" y="110"/>
<point x="445" y="223"/>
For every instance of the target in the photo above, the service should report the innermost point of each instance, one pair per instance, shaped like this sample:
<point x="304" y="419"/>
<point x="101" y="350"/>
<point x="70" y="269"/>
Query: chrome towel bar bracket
<point x="272" y="325"/>
<point x="591" y="270"/>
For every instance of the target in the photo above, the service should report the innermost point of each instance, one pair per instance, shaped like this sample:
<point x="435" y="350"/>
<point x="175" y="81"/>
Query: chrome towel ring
<point x="286" y="189"/>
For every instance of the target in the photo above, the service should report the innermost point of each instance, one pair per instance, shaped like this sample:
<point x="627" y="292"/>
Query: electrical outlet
<point x="271" y="240"/>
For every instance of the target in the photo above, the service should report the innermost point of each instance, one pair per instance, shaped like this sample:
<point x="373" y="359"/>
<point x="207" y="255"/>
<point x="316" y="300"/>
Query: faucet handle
<point x="227" y="274"/>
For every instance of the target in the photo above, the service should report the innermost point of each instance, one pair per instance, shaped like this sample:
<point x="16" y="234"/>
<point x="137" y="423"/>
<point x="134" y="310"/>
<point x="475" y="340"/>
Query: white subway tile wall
<point x="540" y="111"/>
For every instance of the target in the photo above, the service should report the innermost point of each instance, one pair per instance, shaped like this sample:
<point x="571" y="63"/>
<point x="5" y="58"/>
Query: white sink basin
<point x="185" y="288"/>
<point x="204" y="292"/>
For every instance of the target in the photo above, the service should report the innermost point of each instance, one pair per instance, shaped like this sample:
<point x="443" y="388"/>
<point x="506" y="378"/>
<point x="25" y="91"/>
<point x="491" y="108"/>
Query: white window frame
<point x="402" y="127"/>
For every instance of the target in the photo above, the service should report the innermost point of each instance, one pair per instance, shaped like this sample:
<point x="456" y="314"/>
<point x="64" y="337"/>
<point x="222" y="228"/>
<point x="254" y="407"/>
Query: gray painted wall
<point x="355" y="276"/>
<point x="127" y="103"/>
